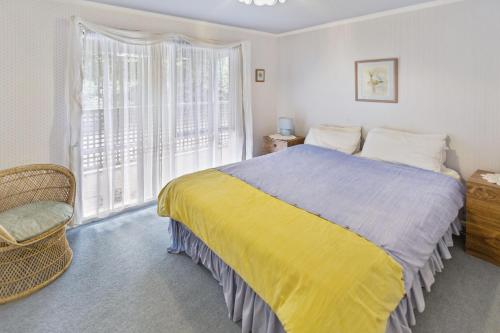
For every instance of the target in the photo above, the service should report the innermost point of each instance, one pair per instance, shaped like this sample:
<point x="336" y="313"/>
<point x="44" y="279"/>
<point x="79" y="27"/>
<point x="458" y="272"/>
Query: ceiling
<point x="281" y="18"/>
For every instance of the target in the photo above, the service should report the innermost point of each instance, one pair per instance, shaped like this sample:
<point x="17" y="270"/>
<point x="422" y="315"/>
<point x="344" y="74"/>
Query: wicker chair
<point x="32" y="264"/>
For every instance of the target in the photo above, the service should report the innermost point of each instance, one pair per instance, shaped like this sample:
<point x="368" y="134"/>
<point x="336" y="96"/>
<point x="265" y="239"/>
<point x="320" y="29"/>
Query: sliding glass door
<point x="150" y="113"/>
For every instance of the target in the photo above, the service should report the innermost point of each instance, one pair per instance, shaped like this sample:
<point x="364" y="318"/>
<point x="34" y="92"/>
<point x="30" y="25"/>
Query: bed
<point x="315" y="240"/>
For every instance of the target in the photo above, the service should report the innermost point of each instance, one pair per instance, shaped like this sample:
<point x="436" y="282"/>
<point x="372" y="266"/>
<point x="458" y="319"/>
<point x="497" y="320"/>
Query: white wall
<point x="449" y="77"/>
<point x="33" y="50"/>
<point x="449" y="74"/>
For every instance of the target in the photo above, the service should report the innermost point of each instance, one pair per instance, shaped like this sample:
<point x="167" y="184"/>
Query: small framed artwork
<point x="377" y="80"/>
<point x="260" y="75"/>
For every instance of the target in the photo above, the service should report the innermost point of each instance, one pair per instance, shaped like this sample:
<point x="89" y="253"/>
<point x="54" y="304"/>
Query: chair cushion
<point x="27" y="221"/>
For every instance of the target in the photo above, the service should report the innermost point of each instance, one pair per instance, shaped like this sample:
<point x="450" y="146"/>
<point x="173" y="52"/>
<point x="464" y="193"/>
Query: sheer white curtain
<point x="146" y="108"/>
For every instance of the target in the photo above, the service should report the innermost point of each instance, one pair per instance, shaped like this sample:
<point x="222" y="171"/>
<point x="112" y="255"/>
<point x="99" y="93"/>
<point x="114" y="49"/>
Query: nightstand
<point x="483" y="218"/>
<point x="273" y="145"/>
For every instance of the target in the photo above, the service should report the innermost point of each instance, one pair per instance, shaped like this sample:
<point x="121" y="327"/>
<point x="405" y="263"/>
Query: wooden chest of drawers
<point x="273" y="145"/>
<point x="483" y="218"/>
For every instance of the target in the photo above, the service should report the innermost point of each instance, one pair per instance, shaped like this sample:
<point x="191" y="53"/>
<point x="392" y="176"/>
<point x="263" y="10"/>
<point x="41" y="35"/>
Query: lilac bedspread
<point x="409" y="212"/>
<point x="404" y="210"/>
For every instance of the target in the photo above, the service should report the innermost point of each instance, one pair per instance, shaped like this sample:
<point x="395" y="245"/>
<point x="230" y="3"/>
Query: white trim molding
<point x="179" y="19"/>
<point x="384" y="13"/>
<point x="390" y="12"/>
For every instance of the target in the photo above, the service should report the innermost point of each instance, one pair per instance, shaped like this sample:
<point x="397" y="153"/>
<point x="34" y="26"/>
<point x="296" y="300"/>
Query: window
<point x="150" y="113"/>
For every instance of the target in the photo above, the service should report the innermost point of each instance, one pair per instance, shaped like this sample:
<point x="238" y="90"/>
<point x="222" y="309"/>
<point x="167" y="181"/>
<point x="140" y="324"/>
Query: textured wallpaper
<point x="449" y="76"/>
<point x="33" y="50"/>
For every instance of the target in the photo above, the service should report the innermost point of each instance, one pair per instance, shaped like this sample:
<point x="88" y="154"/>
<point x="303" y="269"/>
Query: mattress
<point x="408" y="212"/>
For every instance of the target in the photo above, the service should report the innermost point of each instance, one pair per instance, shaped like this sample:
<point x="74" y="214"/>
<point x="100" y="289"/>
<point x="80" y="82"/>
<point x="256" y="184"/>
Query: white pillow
<point x="344" y="139"/>
<point x="425" y="151"/>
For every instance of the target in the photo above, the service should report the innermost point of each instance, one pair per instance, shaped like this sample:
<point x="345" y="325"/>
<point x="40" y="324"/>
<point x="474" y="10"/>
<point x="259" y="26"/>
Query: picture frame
<point x="260" y="75"/>
<point x="377" y="80"/>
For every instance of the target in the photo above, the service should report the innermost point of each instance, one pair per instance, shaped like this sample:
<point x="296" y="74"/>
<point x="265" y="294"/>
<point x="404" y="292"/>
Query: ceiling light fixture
<point x="262" y="2"/>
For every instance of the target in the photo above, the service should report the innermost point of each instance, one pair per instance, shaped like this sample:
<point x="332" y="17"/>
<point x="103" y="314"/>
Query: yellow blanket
<point x="316" y="276"/>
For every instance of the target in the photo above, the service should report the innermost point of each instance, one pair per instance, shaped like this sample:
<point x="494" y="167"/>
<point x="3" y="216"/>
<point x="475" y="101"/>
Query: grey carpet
<point x="123" y="280"/>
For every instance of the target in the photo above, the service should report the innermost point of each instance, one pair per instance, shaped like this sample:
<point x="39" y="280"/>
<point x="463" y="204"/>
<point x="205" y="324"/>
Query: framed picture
<point x="260" y="75"/>
<point x="377" y="80"/>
